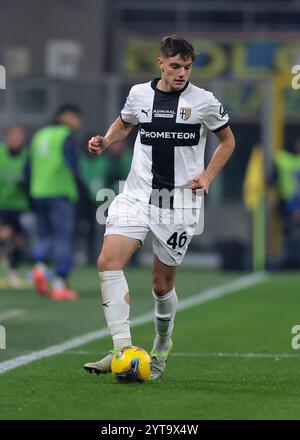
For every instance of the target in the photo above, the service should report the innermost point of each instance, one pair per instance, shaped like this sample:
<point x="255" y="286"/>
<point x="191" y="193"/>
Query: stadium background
<point x="90" y="52"/>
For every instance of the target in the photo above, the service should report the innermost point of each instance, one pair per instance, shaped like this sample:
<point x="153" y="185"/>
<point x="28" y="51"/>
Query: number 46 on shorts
<point x="177" y="241"/>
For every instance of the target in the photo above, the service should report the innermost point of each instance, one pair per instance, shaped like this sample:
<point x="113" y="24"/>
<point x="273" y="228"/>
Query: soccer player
<point x="13" y="199"/>
<point x="53" y="174"/>
<point x="173" y="117"/>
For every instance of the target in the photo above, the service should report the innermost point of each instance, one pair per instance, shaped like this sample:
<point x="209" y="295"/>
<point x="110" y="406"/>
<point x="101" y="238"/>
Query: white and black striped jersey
<point x="169" y="148"/>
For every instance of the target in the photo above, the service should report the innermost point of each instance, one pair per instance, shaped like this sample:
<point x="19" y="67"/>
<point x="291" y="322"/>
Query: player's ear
<point x="160" y="62"/>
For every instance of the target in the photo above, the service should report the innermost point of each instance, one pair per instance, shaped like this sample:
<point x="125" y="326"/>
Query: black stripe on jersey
<point x="221" y="128"/>
<point x="164" y="134"/>
<point x="163" y="167"/>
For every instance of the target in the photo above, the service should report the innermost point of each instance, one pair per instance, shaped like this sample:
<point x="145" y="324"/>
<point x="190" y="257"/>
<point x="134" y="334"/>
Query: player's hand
<point x="97" y="145"/>
<point x="201" y="181"/>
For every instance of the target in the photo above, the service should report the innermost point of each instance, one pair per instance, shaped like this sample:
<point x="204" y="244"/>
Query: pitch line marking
<point x="199" y="298"/>
<point x="9" y="314"/>
<point x="276" y="356"/>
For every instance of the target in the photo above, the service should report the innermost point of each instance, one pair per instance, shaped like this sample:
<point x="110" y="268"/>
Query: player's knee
<point x="162" y="286"/>
<point x="108" y="263"/>
<point x="102" y="263"/>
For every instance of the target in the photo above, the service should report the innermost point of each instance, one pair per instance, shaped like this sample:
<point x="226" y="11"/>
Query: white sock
<point x="165" y="311"/>
<point x="58" y="283"/>
<point x="116" y="308"/>
<point x="41" y="266"/>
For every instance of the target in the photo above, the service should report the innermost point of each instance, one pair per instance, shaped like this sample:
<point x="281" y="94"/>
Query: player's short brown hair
<point x="173" y="45"/>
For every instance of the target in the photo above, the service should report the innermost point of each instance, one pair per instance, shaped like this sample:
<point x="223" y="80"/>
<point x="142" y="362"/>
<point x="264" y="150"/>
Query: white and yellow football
<point x="131" y="364"/>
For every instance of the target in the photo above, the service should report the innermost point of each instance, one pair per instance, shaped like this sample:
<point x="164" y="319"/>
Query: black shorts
<point x="11" y="218"/>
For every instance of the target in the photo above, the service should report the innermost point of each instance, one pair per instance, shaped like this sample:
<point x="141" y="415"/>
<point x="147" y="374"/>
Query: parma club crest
<point x="185" y="113"/>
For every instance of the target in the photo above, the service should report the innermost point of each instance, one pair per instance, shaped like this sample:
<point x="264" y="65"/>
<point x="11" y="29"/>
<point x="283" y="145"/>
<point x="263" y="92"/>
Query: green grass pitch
<point x="232" y="356"/>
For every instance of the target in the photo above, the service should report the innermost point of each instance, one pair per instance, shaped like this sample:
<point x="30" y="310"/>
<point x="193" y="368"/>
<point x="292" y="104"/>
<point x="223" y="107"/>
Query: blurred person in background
<point x="286" y="176"/>
<point x="94" y="172"/>
<point x="53" y="174"/>
<point x="13" y="200"/>
<point x="173" y="117"/>
<point x="120" y="157"/>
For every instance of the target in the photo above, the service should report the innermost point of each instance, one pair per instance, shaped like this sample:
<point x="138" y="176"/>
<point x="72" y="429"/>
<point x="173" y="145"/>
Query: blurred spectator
<point x="94" y="171"/>
<point x="53" y="172"/>
<point x="287" y="178"/>
<point x="13" y="200"/>
<point x="120" y="161"/>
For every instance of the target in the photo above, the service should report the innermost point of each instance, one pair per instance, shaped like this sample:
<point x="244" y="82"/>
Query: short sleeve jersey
<point x="170" y="144"/>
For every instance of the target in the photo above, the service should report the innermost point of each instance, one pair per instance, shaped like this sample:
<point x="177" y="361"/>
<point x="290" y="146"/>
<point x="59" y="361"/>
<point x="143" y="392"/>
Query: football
<point x="131" y="364"/>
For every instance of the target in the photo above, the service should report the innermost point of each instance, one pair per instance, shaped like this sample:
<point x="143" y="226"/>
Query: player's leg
<point x="18" y="241"/>
<point x="165" y="303"/>
<point x="10" y="237"/>
<point x="15" y="259"/>
<point x="115" y="253"/>
<point x="43" y="247"/>
<point x="6" y="234"/>
<point x="126" y="229"/>
<point x="62" y="218"/>
<point x="172" y="235"/>
<point x="165" y="299"/>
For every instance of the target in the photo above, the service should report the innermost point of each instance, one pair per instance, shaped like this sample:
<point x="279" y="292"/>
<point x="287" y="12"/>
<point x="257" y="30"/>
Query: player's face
<point x="70" y="119"/>
<point x="175" y="72"/>
<point x="15" y="138"/>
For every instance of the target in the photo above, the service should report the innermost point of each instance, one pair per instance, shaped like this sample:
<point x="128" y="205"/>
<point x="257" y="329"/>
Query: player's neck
<point x="164" y="86"/>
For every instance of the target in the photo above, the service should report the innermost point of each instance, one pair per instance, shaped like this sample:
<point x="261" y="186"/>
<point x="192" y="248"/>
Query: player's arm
<point x="118" y="131"/>
<point x="221" y="155"/>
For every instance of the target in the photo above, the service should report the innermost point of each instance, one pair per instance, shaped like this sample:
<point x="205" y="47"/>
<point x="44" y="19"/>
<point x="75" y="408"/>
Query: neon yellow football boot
<point x="103" y="366"/>
<point x="158" y="364"/>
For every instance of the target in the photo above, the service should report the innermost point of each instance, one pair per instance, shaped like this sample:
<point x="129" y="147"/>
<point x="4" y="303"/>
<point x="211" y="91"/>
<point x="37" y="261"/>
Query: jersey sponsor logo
<point x="164" y="114"/>
<point x="167" y="135"/>
<point x="185" y="113"/>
